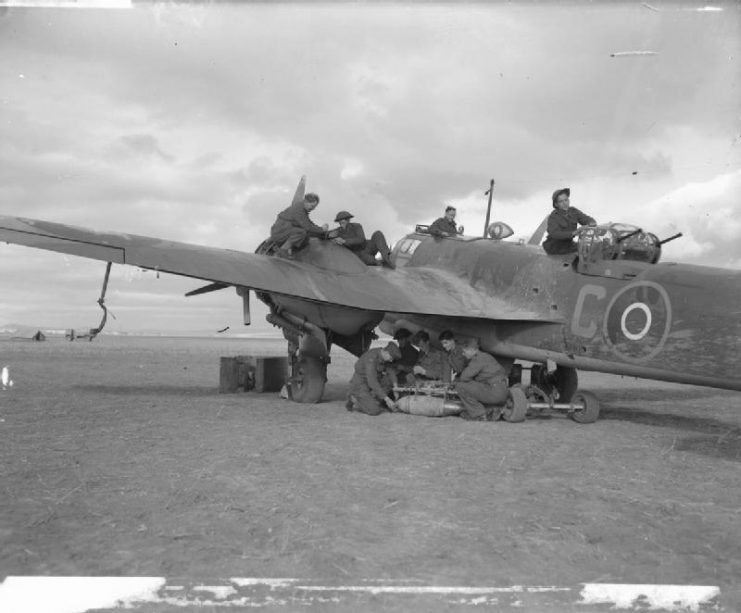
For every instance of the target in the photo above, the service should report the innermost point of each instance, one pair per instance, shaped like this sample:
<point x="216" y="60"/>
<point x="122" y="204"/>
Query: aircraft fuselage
<point x="666" y="321"/>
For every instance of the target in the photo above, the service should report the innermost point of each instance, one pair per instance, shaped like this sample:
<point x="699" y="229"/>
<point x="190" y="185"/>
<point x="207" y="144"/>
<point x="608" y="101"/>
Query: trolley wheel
<point x="515" y="408"/>
<point x="585" y="407"/>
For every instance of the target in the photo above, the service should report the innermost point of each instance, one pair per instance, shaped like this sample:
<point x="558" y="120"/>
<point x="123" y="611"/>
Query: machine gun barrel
<point x="671" y="238"/>
<point x="629" y="234"/>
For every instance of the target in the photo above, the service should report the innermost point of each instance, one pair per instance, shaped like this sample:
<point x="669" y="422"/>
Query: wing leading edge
<point x="423" y="291"/>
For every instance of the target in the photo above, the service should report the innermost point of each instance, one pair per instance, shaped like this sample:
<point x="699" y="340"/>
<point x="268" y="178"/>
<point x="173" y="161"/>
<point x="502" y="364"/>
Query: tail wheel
<point x="515" y="408"/>
<point x="585" y="407"/>
<point x="307" y="382"/>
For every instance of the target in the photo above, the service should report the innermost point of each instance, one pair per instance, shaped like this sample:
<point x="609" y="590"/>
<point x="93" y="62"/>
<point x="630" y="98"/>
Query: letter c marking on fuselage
<point x="577" y="328"/>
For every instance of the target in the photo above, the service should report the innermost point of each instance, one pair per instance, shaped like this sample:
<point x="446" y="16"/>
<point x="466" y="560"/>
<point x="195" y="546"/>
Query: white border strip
<point x="68" y="4"/>
<point x="81" y="594"/>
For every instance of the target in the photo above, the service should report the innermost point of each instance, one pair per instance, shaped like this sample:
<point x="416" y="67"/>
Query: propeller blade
<point x="211" y="287"/>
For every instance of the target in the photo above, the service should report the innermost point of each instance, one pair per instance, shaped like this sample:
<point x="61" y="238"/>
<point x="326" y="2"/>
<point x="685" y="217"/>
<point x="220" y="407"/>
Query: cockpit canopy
<point x="617" y="241"/>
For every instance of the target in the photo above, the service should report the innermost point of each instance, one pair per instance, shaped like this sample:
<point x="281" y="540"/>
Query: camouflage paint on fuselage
<point x="668" y="321"/>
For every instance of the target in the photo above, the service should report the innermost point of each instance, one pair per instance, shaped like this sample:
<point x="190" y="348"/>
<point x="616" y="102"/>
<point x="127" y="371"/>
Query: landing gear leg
<point x="308" y="358"/>
<point x="308" y="376"/>
<point x="560" y="383"/>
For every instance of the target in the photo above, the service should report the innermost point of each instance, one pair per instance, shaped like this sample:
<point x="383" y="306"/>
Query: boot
<point x="285" y="251"/>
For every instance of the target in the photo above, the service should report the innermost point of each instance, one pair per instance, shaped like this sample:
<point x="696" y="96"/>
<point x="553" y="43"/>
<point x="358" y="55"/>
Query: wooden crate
<point x="244" y="373"/>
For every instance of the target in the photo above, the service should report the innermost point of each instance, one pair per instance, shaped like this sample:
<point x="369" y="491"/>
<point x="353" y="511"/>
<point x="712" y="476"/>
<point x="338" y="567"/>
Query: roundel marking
<point x="636" y="336"/>
<point x="637" y="321"/>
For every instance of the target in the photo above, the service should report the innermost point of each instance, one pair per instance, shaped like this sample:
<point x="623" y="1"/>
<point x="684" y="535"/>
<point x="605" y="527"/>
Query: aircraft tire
<point x="515" y="408"/>
<point x="307" y="383"/>
<point x="589" y="413"/>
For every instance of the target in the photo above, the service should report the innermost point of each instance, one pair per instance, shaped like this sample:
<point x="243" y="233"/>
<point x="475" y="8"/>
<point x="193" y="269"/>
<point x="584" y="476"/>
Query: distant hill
<point x="22" y="331"/>
<point x="13" y="330"/>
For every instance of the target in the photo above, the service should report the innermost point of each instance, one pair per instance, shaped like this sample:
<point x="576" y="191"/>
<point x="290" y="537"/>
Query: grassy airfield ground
<point x="119" y="457"/>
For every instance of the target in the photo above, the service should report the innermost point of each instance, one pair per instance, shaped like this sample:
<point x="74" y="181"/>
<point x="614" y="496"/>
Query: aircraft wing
<point x="422" y="291"/>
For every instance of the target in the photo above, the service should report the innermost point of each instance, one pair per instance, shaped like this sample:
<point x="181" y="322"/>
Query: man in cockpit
<point x="562" y="224"/>
<point x="352" y="236"/>
<point x="444" y="226"/>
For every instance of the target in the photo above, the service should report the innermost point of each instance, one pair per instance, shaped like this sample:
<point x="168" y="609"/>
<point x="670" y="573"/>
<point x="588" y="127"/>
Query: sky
<point x="194" y="122"/>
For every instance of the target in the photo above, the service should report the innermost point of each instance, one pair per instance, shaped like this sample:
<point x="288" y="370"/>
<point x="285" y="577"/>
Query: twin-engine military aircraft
<point x="610" y="307"/>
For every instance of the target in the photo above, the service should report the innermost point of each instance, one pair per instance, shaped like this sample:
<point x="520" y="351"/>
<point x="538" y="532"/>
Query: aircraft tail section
<point x="300" y="190"/>
<point x="537" y="236"/>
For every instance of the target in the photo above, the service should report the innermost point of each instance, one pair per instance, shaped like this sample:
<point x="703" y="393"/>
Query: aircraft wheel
<point x="589" y="411"/>
<point x="307" y="382"/>
<point x="515" y="408"/>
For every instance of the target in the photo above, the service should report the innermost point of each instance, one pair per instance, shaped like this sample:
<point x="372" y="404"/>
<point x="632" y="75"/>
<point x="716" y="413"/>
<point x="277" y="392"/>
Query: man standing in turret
<point x="562" y="224"/>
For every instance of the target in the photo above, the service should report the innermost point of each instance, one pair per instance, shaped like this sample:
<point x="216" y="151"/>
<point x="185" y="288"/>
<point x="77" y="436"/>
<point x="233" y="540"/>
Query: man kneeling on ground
<point x="456" y="361"/>
<point x="409" y="354"/>
<point x="432" y="364"/>
<point x="483" y="382"/>
<point x="373" y="381"/>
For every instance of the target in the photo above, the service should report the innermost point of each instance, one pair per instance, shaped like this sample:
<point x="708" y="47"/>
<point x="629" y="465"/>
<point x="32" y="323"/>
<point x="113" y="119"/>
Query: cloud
<point x="194" y="122"/>
<point x="709" y="216"/>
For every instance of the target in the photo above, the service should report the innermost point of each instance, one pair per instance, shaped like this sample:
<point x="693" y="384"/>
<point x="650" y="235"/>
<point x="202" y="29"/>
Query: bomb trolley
<point x="439" y="399"/>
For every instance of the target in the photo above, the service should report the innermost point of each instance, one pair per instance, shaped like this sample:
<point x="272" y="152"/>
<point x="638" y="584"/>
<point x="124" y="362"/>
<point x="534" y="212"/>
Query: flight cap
<point x="343" y="215"/>
<point x="558" y="192"/>
<point x="393" y="350"/>
<point x="401" y="334"/>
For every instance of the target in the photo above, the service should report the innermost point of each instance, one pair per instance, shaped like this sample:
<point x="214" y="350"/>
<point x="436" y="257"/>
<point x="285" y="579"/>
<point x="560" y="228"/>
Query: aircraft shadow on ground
<point x="616" y="394"/>
<point x="711" y="437"/>
<point x="149" y="390"/>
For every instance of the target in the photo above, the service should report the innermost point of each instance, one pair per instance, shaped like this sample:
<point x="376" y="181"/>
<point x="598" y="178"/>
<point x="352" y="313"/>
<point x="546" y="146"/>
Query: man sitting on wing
<point x="292" y="228"/>
<point x="351" y="235"/>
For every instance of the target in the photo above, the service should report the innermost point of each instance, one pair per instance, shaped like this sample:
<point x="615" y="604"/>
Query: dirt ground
<point x="119" y="457"/>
